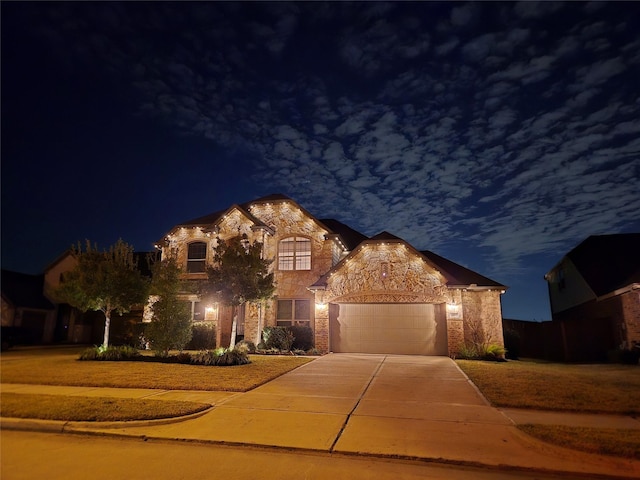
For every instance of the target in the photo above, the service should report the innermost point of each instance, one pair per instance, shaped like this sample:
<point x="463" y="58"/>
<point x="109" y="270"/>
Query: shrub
<point x="111" y="353"/>
<point x="220" y="358"/>
<point x="280" y="338"/>
<point x="246" y="346"/>
<point x="204" y="357"/>
<point x="313" y="351"/>
<point x="170" y="328"/>
<point x="203" y="337"/>
<point x="468" y="352"/>
<point x="233" y="357"/>
<point x="492" y="352"/>
<point x="303" y="337"/>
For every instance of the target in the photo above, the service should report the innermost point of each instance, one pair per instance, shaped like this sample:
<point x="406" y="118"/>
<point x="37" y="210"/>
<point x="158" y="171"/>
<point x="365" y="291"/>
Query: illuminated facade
<point x="357" y="294"/>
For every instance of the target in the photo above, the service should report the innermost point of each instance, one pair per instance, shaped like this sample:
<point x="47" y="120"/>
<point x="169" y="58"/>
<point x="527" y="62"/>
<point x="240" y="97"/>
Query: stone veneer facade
<point x="374" y="272"/>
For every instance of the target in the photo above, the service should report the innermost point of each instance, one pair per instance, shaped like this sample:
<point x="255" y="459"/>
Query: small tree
<point x="107" y="280"/>
<point x="239" y="275"/>
<point x="170" y="326"/>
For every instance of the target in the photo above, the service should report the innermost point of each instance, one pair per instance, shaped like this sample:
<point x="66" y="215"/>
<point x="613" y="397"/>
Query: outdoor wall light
<point x="211" y="308"/>
<point x="453" y="309"/>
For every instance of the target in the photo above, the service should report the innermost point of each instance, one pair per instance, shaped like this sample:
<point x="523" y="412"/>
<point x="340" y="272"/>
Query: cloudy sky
<point x="498" y="135"/>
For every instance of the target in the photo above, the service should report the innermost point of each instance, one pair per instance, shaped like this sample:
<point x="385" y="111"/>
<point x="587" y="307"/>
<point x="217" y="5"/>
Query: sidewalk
<point x="420" y="408"/>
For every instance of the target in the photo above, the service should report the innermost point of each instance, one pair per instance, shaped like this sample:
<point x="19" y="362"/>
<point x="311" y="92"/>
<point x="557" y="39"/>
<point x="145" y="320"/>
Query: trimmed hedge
<point x="303" y="337"/>
<point x="203" y="337"/>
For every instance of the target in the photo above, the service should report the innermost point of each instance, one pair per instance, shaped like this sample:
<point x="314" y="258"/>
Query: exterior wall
<point x="482" y="314"/>
<point x="53" y="273"/>
<point x="65" y="263"/>
<point x="631" y="314"/>
<point x="7" y="314"/>
<point x="385" y="273"/>
<point x="569" y="291"/>
<point x="589" y="331"/>
<point x="321" y="333"/>
<point x="455" y="336"/>
<point x="287" y="220"/>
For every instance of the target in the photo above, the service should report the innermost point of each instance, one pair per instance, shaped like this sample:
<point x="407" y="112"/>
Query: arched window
<point x="196" y="257"/>
<point x="294" y="253"/>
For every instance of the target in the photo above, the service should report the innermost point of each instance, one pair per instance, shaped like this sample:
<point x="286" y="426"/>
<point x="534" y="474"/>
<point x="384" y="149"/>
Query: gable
<point x="384" y="272"/>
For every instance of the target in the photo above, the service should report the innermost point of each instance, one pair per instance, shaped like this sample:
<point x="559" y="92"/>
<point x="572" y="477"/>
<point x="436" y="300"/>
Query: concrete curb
<point x="62" y="426"/>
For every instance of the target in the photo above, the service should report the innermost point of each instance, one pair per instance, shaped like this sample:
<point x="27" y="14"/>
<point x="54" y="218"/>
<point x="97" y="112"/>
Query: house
<point x="357" y="294"/>
<point x="25" y="308"/>
<point x="594" y="293"/>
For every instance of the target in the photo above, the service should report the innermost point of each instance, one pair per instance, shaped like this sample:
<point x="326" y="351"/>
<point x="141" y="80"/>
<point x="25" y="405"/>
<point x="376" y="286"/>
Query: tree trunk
<point x="234" y="327"/>
<point x="107" y="323"/>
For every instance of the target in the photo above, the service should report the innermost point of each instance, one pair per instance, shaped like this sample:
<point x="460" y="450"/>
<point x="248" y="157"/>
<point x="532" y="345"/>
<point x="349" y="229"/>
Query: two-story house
<point x="594" y="291"/>
<point x="357" y="294"/>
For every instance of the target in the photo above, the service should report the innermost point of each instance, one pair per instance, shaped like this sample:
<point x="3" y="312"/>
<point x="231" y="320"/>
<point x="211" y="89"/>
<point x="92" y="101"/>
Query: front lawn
<point x="611" y="389"/>
<point x="92" y="409"/>
<point x="556" y="386"/>
<point x="61" y="367"/>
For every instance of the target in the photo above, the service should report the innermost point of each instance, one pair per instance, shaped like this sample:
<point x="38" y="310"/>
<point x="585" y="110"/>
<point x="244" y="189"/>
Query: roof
<point x="460" y="275"/>
<point x="24" y="290"/>
<point x="352" y="238"/>
<point x="205" y="219"/>
<point x="388" y="237"/>
<point x="215" y="216"/>
<point x="608" y="262"/>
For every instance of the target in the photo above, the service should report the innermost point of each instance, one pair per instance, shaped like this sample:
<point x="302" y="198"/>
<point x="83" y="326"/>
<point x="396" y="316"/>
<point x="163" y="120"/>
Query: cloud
<point x="520" y="137"/>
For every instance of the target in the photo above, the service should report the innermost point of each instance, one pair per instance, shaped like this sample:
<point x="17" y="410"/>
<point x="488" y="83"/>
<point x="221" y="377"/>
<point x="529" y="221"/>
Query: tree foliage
<point x="107" y="280"/>
<point x="239" y="274"/>
<point x="170" y="326"/>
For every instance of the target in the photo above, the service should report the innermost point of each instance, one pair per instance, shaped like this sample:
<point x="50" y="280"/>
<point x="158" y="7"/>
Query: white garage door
<point x="408" y="329"/>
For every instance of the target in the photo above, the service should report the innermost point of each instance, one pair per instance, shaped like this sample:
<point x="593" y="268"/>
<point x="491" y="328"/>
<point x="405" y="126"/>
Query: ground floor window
<point x="293" y="312"/>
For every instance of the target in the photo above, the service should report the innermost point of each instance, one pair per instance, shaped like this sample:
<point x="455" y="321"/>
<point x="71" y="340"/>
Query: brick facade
<point x="373" y="272"/>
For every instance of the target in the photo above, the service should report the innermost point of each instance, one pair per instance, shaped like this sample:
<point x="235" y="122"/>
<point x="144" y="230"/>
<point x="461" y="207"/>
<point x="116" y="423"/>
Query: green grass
<point x="603" y="441"/>
<point x="553" y="386"/>
<point x="61" y="367"/>
<point x="91" y="409"/>
<point x="611" y="389"/>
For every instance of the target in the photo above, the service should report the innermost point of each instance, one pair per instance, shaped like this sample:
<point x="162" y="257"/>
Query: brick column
<point x="321" y="331"/>
<point x="455" y="336"/>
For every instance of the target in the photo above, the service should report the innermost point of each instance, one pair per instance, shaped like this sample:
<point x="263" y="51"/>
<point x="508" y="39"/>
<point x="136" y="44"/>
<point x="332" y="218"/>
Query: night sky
<point x="499" y="135"/>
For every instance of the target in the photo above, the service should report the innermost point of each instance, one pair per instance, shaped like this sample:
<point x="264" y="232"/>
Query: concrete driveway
<point x="410" y="407"/>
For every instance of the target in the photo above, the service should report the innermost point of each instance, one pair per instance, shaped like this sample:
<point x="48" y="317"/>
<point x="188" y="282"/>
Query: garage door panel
<point x="412" y="329"/>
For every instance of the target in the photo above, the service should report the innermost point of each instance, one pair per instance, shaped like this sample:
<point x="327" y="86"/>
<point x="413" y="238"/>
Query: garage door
<point x="408" y="329"/>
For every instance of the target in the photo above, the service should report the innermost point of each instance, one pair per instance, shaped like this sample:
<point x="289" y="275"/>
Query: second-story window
<point x="196" y="257"/>
<point x="294" y="253"/>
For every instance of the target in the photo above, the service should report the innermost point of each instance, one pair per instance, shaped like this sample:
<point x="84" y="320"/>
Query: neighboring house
<point x="594" y="293"/>
<point x="357" y="294"/>
<point x="25" y="307"/>
<point x="29" y="302"/>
